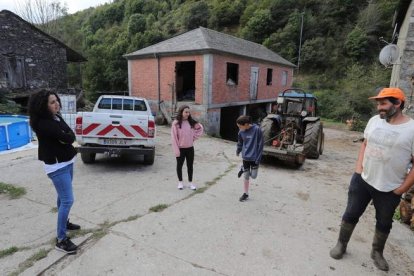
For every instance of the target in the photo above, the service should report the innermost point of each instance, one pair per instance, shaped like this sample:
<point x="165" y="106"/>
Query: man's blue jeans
<point x="62" y="180"/>
<point x="360" y="194"/>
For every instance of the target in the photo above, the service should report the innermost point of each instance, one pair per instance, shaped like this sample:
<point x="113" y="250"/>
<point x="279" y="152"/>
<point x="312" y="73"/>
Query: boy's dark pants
<point x="360" y="194"/>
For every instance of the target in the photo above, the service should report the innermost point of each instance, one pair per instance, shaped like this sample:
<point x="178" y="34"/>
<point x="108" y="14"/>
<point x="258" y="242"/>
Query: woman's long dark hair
<point x="180" y="117"/>
<point x="38" y="107"/>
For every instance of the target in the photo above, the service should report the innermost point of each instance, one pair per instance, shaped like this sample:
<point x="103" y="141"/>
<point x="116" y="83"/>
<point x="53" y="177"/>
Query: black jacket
<point x="55" y="141"/>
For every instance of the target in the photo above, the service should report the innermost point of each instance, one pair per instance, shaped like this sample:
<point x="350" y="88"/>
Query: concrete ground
<point x="286" y="228"/>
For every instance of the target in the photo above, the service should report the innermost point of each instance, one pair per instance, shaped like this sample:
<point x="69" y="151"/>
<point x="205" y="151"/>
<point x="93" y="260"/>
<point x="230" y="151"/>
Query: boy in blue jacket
<point x="250" y="143"/>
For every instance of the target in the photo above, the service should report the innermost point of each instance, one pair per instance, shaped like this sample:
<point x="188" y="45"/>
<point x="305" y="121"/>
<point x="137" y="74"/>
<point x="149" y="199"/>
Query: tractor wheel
<point x="313" y="140"/>
<point x="88" y="158"/>
<point x="322" y="145"/>
<point x="149" y="158"/>
<point x="268" y="130"/>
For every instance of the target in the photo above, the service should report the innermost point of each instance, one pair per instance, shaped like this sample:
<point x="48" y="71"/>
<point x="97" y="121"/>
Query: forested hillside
<point x="339" y="44"/>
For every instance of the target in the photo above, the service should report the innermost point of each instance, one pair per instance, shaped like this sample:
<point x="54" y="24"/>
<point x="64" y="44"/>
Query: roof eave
<point x="198" y="52"/>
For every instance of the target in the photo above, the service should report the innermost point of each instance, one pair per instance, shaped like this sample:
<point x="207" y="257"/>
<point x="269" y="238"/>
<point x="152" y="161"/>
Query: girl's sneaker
<point x="180" y="185"/>
<point x="193" y="187"/>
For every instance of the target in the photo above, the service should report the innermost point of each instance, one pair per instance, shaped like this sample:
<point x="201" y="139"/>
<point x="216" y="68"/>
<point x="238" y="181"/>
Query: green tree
<point x="196" y="14"/>
<point x="356" y="44"/>
<point x="137" y="23"/>
<point x="225" y="13"/>
<point x="258" y="27"/>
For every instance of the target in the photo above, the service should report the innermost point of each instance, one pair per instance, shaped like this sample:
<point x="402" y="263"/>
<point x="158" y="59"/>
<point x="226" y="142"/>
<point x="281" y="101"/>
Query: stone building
<point x="403" y="69"/>
<point x="218" y="75"/>
<point x="30" y="58"/>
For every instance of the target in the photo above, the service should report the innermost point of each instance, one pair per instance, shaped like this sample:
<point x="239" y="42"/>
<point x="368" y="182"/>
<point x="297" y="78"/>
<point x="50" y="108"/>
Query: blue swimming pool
<point x="15" y="131"/>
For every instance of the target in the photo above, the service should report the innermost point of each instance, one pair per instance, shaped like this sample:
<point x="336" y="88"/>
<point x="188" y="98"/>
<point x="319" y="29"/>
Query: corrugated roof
<point x="206" y="40"/>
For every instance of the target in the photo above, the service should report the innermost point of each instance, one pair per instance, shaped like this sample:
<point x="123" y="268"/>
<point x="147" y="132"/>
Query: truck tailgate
<point x="107" y="125"/>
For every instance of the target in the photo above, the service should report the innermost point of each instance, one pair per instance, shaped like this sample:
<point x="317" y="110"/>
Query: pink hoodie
<point x="185" y="136"/>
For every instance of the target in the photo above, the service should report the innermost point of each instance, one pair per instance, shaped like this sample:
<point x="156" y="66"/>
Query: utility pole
<point x="300" y="39"/>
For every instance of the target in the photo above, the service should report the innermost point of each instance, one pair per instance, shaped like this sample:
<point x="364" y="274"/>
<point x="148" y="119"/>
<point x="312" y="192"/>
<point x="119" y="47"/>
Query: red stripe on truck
<point x="90" y="128"/>
<point x="140" y="131"/>
<point x="120" y="128"/>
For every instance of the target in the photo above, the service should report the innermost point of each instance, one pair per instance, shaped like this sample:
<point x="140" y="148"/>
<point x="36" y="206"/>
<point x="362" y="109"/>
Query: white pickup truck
<point x="118" y="125"/>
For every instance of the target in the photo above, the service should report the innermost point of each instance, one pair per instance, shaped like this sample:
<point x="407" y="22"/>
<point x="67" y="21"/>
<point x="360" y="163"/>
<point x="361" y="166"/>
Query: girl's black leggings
<point x="185" y="154"/>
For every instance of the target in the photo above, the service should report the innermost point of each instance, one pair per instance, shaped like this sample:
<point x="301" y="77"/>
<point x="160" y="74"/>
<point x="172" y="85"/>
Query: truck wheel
<point x="313" y="140"/>
<point x="149" y="158"/>
<point x="88" y="158"/>
<point x="268" y="130"/>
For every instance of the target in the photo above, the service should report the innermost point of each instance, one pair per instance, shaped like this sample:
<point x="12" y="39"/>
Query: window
<point x="140" y="106"/>
<point x="128" y="104"/>
<point x="232" y="74"/>
<point x="269" y="76"/>
<point x="105" y="103"/>
<point x="117" y="104"/>
<point x="284" y="78"/>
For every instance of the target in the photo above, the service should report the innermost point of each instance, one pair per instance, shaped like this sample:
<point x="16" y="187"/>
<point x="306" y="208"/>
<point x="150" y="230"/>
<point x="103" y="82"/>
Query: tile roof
<point x="203" y="40"/>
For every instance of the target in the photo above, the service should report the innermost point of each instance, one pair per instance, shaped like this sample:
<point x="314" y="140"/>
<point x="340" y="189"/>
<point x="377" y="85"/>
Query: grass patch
<point x="12" y="191"/>
<point x="9" y="251"/>
<point x="397" y="214"/>
<point x="334" y="124"/>
<point x="54" y="210"/>
<point x="158" y="208"/>
<point x="42" y="253"/>
<point x="200" y="190"/>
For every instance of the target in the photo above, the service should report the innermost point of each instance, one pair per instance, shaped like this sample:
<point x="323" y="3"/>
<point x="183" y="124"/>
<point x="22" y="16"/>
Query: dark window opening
<point x="185" y="80"/>
<point x="232" y="74"/>
<point x="14" y="72"/>
<point x="269" y="76"/>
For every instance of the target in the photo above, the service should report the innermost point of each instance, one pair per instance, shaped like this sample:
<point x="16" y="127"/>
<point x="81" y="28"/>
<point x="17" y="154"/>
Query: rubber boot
<point x="344" y="235"/>
<point x="377" y="250"/>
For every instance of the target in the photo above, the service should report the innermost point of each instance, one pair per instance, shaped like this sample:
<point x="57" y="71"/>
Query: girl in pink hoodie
<point x="184" y="131"/>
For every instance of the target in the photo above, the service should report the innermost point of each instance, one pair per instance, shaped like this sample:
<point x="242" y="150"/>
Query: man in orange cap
<point x="381" y="173"/>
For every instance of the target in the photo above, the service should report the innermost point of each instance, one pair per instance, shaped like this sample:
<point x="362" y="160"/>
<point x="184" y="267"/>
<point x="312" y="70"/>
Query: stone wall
<point x="29" y="59"/>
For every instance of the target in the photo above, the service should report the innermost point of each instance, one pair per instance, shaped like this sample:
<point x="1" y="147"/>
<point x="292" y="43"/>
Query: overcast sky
<point x="73" y="5"/>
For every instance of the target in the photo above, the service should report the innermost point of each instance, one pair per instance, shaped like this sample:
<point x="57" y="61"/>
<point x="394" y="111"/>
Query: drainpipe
<point x="158" y="81"/>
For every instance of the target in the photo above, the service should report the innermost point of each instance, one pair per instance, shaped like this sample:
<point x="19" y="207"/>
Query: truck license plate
<point x="114" y="142"/>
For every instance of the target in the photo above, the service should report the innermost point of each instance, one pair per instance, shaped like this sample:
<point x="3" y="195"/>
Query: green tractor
<point x="293" y="132"/>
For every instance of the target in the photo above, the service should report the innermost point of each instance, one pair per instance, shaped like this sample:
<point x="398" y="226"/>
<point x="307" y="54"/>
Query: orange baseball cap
<point x="393" y="92"/>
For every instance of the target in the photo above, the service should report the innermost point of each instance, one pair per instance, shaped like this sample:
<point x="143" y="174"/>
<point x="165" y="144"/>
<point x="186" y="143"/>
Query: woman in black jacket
<point x="56" y="151"/>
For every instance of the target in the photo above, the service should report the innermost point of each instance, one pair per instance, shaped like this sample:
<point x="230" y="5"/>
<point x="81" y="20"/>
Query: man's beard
<point x="388" y="113"/>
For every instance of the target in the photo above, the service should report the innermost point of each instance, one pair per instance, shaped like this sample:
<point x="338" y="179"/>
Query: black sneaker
<point x="72" y="226"/>
<point x="244" y="197"/>
<point x="66" y="246"/>
<point x="240" y="172"/>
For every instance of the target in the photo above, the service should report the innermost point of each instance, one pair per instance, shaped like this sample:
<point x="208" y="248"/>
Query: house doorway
<point x="228" y="127"/>
<point x="257" y="112"/>
<point x="185" y="80"/>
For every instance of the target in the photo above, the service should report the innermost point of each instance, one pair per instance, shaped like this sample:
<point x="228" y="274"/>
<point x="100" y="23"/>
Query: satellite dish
<point x="389" y="55"/>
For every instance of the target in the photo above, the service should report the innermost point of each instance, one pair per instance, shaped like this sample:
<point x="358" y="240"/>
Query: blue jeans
<point x="360" y="194"/>
<point x="62" y="180"/>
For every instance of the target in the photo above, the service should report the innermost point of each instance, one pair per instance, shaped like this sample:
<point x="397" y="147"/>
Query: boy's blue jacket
<point x="250" y="143"/>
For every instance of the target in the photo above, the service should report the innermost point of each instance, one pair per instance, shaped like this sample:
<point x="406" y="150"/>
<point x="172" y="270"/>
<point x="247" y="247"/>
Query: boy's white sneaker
<point x="193" y="187"/>
<point x="180" y="186"/>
